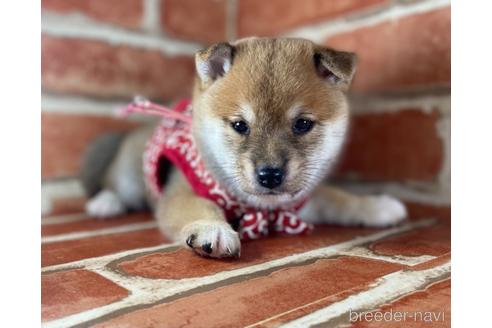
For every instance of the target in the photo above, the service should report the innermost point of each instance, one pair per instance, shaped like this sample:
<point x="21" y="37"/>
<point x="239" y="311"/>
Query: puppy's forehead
<point x="274" y="71"/>
<point x="271" y="78"/>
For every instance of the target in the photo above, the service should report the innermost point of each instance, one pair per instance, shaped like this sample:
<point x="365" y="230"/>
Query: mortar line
<point x="101" y="261"/>
<point x="398" y="259"/>
<point x="100" y="232"/>
<point x="150" y="17"/>
<point x="64" y="218"/>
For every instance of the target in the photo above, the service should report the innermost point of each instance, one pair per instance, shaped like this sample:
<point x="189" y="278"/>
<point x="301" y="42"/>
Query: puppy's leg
<point x="121" y="182"/>
<point x="196" y="221"/>
<point x="331" y="205"/>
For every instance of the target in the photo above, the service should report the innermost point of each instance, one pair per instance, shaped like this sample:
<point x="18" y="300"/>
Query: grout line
<point x="76" y="104"/>
<point x="384" y="290"/>
<point x="101" y="261"/>
<point x="231" y="20"/>
<point x="78" y="26"/>
<point x="82" y="105"/>
<point x="320" y="32"/>
<point x="398" y="259"/>
<point x="443" y="127"/>
<point x="144" y="291"/>
<point x="380" y="104"/>
<point x="65" y="218"/>
<point x="151" y="16"/>
<point x="51" y="189"/>
<point x="420" y="192"/>
<point x="68" y="188"/>
<point x="100" y="232"/>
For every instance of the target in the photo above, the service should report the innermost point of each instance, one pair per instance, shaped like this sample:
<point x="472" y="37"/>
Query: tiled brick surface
<point x="344" y="321"/>
<point x="65" y="136"/>
<point x="267" y="18"/>
<point x="73" y="250"/>
<point x="183" y="264"/>
<point x="419" y="211"/>
<point x="68" y="292"/>
<point x="90" y="224"/>
<point x="198" y="20"/>
<point x="435" y="240"/>
<point x="399" y="146"/>
<point x="266" y="296"/>
<point x="439" y="260"/>
<point x="127" y="13"/>
<point x="94" y="68"/>
<point x="411" y="52"/>
<point x="431" y="241"/>
<point x="62" y="206"/>
<point x="261" y="298"/>
<point x="434" y="305"/>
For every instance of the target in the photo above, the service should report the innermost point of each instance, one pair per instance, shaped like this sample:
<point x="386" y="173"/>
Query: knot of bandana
<point x="172" y="141"/>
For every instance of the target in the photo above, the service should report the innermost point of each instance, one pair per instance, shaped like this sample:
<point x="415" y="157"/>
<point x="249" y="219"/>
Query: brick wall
<point x="97" y="54"/>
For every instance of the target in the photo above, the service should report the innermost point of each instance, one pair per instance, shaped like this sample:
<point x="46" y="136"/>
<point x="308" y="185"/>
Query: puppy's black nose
<point x="270" y="177"/>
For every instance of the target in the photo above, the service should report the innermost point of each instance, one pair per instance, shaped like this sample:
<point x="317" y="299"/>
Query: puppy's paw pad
<point x="384" y="211"/>
<point x="104" y="205"/>
<point x="212" y="239"/>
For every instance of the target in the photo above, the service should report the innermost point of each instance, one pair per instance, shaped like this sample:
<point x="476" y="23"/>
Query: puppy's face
<point x="270" y="116"/>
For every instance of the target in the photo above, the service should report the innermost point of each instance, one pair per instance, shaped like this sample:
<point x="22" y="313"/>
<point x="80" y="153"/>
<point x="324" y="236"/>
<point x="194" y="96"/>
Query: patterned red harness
<point x="172" y="141"/>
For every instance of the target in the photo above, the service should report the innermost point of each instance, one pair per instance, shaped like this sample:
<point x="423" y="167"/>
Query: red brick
<point x="434" y="240"/>
<point x="439" y="260"/>
<point x="293" y="314"/>
<point x="65" y="136"/>
<point x="398" y="146"/>
<point x="184" y="264"/>
<point x="268" y="18"/>
<point x="94" y="224"/>
<point x="435" y="299"/>
<point x="62" y="206"/>
<point x="127" y="13"/>
<point x="198" y="20"/>
<point x="411" y="52"/>
<point x="69" y="292"/>
<point x="256" y="299"/>
<point x="99" y="69"/>
<point x="421" y="211"/>
<point x="73" y="250"/>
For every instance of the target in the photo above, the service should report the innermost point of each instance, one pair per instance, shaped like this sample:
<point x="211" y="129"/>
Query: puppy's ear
<point x="214" y="61"/>
<point x="336" y="67"/>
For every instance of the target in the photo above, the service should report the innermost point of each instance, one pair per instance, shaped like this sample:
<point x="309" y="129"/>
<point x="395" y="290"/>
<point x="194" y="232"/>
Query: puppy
<point x="269" y="118"/>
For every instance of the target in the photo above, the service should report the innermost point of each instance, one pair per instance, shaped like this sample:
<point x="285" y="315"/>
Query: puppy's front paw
<point x="381" y="211"/>
<point x="212" y="239"/>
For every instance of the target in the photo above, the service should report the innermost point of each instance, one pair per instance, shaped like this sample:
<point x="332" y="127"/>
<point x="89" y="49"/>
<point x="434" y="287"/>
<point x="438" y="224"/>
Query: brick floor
<point x="123" y="273"/>
<point x="434" y="299"/>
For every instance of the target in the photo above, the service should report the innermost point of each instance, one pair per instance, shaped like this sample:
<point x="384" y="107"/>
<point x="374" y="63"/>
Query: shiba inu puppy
<point x="269" y="120"/>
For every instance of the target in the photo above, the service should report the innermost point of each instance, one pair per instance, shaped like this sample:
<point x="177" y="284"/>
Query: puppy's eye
<point x="302" y="126"/>
<point x="241" y="127"/>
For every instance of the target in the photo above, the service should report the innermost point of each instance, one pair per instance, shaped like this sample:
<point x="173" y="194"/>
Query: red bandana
<point x="172" y="141"/>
